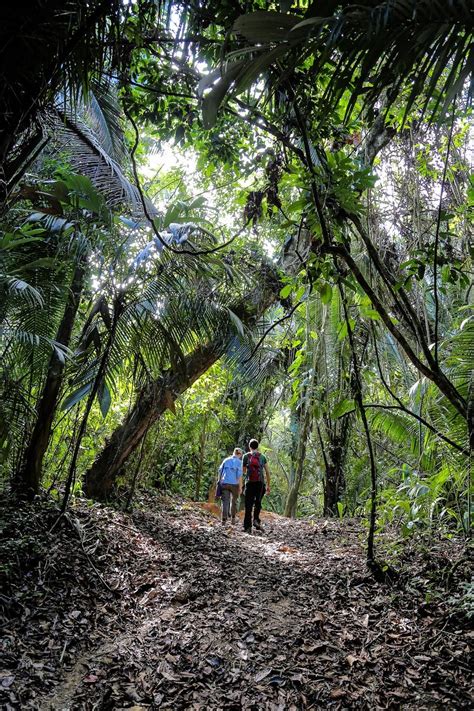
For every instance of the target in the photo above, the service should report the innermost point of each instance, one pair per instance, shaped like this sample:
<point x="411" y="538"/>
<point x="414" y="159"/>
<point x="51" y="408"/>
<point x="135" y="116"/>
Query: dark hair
<point x="253" y="444"/>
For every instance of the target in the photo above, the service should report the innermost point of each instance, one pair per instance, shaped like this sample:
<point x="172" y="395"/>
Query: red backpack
<point x="254" y="467"/>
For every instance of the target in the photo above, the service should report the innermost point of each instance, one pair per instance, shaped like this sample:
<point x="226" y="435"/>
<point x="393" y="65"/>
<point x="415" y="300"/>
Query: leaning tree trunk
<point x="160" y="394"/>
<point x="153" y="400"/>
<point x="29" y="477"/>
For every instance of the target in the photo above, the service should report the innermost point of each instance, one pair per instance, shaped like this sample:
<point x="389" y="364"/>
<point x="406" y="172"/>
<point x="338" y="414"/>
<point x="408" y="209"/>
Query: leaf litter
<point x="166" y="608"/>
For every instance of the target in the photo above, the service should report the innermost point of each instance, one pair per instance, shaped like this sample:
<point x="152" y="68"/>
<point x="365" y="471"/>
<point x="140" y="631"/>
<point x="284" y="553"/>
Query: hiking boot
<point x="258" y="525"/>
<point x="233" y="522"/>
<point x="248" y="530"/>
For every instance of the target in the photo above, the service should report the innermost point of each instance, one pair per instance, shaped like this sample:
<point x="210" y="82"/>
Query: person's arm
<point x="244" y="472"/>
<point x="267" y="474"/>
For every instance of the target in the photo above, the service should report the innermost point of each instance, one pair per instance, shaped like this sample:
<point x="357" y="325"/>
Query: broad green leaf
<point x="342" y="332"/>
<point x="343" y="407"/>
<point x="300" y="293"/>
<point x="325" y="291"/>
<point x="76" y="396"/>
<point x="212" y="101"/>
<point x="104" y="398"/>
<point x="371" y="314"/>
<point x="262" y="26"/>
<point x="256" y="67"/>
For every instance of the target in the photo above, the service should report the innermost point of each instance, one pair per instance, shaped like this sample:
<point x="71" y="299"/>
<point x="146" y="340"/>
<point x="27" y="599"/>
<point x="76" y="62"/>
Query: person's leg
<point x="235" y="498"/>
<point x="249" y="502"/>
<point x="258" y="502"/>
<point x="225" y="502"/>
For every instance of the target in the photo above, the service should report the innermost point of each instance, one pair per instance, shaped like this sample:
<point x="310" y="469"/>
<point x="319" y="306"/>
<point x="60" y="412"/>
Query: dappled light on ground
<point x="181" y="612"/>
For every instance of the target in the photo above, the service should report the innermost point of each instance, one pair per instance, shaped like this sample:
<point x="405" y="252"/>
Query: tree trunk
<point x="292" y="498"/>
<point x="153" y="400"/>
<point x="305" y="424"/>
<point x="334" y="481"/>
<point x="200" y="466"/>
<point x="159" y="395"/>
<point x="29" y="477"/>
<point x="96" y="384"/>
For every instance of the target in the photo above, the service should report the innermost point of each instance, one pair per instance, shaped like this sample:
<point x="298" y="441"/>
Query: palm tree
<point x="206" y="340"/>
<point x="158" y="394"/>
<point x="50" y="47"/>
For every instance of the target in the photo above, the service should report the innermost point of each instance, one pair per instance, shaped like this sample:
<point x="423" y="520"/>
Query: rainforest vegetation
<point x="226" y="220"/>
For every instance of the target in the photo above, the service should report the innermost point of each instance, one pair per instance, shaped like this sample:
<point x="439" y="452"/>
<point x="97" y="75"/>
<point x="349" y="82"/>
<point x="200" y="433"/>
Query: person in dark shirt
<point x="255" y="470"/>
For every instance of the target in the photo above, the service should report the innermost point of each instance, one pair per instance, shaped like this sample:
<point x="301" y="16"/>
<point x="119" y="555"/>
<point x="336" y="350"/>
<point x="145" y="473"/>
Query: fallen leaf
<point x="262" y="674"/>
<point x="90" y="679"/>
<point x="310" y="648"/>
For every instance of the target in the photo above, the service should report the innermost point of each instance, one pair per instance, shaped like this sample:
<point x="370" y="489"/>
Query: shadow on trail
<point x="285" y="620"/>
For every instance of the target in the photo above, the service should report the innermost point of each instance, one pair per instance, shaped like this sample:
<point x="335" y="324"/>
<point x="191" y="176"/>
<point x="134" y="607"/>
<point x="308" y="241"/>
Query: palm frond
<point x="397" y="427"/>
<point x="45" y="49"/>
<point x="165" y="316"/>
<point x="101" y="110"/>
<point x="396" y="48"/>
<point x="88" y="157"/>
<point x="22" y="289"/>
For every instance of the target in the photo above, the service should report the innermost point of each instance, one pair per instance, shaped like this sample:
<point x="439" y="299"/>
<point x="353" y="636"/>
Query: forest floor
<point x="167" y="609"/>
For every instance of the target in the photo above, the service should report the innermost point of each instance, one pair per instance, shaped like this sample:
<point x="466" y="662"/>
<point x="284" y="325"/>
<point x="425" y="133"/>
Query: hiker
<point x="254" y="466"/>
<point x="230" y="480"/>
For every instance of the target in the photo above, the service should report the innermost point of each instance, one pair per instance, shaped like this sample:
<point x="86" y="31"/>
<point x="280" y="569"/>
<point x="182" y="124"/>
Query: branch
<point x="411" y="316"/>
<point x="164" y="243"/>
<point x="436" y="244"/>
<point x="270" y="328"/>
<point x="405" y="409"/>
<point x="437" y="376"/>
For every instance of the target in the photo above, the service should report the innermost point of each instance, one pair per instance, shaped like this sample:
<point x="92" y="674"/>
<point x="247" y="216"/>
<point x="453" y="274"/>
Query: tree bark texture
<point x="292" y="498"/>
<point x="334" y="479"/>
<point x="28" y="479"/>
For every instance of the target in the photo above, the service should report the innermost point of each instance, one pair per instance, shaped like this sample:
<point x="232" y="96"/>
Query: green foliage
<point x="312" y="131"/>
<point x="375" y="50"/>
<point x="421" y="501"/>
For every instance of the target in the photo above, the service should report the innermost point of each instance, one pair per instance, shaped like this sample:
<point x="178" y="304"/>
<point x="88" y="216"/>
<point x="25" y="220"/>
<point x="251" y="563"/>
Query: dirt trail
<point x="211" y="618"/>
